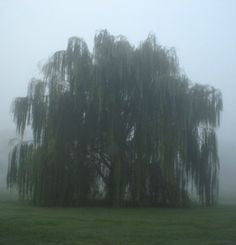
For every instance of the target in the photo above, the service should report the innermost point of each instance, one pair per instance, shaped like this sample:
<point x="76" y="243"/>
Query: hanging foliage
<point x="119" y="125"/>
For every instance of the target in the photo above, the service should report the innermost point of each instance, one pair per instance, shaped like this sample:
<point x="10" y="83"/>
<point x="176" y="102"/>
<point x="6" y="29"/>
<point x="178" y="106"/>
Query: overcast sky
<point x="203" y="33"/>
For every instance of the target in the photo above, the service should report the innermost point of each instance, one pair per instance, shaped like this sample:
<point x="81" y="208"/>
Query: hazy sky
<point x="202" y="31"/>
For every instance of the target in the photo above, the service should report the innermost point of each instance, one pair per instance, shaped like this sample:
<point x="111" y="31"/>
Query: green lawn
<point x="21" y="224"/>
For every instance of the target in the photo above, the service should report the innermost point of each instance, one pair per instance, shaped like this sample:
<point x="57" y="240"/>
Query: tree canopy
<point x="119" y="125"/>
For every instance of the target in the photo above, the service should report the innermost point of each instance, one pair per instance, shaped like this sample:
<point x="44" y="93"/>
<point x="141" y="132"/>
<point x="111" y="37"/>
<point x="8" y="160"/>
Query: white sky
<point x="202" y="31"/>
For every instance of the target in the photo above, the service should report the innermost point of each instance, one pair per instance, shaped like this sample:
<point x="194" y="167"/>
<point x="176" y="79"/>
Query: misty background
<point x="202" y="32"/>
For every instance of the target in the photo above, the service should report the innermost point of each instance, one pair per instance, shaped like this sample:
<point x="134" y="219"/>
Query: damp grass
<point x="25" y="225"/>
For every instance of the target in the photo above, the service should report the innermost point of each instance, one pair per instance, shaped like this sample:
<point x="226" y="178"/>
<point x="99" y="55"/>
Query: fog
<point x="202" y="32"/>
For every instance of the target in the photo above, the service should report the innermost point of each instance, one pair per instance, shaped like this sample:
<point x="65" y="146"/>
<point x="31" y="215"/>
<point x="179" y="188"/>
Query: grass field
<point x="23" y="225"/>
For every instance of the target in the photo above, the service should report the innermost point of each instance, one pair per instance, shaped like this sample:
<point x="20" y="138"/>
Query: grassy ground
<point x="23" y="225"/>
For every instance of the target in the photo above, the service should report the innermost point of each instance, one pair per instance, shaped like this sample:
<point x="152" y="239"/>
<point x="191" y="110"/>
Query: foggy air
<point x="119" y="105"/>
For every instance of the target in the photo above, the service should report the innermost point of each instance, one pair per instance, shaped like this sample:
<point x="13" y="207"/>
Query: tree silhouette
<point x="120" y="125"/>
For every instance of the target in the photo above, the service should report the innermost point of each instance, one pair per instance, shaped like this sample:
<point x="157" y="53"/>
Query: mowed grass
<point x="22" y="224"/>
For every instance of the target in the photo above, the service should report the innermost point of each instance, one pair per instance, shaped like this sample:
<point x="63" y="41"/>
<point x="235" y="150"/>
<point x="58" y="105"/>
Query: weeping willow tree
<point x="120" y="125"/>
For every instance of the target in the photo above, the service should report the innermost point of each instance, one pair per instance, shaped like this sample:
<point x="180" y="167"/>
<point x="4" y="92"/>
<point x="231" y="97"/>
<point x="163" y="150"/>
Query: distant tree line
<point x="121" y="126"/>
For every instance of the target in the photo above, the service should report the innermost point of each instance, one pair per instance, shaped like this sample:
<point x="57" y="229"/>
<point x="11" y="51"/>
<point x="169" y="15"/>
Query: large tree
<point x="121" y="125"/>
